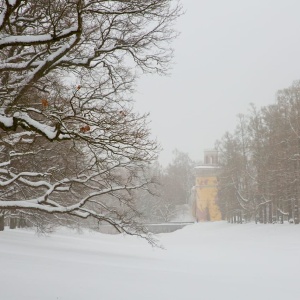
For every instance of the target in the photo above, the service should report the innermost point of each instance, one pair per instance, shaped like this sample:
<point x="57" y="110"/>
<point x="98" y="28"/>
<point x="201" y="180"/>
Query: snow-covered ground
<point x="202" y="261"/>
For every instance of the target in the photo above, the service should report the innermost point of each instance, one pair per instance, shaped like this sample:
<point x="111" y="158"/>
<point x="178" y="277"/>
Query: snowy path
<point x="202" y="261"/>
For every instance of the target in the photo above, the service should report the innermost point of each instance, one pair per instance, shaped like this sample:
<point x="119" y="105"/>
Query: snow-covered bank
<point x="202" y="261"/>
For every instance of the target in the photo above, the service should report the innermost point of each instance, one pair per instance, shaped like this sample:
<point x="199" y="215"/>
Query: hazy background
<point x="229" y="54"/>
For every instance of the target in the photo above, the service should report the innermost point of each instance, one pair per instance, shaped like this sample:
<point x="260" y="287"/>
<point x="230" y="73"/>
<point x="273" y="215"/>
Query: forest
<point x="260" y="160"/>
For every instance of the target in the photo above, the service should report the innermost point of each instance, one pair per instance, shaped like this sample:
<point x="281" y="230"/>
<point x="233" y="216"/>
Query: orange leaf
<point x="85" y="128"/>
<point x="45" y="103"/>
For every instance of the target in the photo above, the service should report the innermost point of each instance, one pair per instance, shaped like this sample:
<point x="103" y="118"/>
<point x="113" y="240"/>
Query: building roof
<point x="207" y="167"/>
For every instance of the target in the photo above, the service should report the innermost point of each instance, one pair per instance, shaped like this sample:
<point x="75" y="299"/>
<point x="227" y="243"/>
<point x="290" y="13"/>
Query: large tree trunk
<point x="1" y="223"/>
<point x="12" y="223"/>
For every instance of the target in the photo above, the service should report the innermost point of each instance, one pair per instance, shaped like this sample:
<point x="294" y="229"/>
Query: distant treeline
<point x="260" y="177"/>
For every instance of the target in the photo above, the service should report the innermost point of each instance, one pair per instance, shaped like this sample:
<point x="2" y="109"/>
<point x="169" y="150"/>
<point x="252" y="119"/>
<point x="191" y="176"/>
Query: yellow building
<point x="206" y="188"/>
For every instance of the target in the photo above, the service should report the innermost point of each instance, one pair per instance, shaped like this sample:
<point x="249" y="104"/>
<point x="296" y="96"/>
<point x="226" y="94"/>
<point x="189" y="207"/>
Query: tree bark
<point x="12" y="223"/>
<point x="296" y="212"/>
<point x="1" y="223"/>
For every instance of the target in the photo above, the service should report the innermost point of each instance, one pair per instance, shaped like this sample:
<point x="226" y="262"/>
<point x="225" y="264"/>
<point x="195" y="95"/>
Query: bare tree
<point x="173" y="190"/>
<point x="98" y="42"/>
<point x="67" y="71"/>
<point x="261" y="161"/>
<point x="157" y="206"/>
<point x="178" y="178"/>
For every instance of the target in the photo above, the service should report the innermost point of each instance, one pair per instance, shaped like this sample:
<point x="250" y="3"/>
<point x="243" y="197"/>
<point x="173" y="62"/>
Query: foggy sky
<point x="229" y="54"/>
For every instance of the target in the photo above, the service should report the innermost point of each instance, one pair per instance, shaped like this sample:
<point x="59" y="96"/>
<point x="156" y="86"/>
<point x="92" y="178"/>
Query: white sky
<point x="229" y="54"/>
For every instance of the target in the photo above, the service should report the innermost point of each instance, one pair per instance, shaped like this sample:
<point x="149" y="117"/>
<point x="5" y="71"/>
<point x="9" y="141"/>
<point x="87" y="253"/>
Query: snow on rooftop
<point x="207" y="167"/>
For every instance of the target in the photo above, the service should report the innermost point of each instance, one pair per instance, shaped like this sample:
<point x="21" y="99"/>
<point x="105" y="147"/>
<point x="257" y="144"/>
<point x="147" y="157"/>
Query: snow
<point x="207" y="167"/>
<point x="17" y="137"/>
<point x="12" y="2"/>
<point x="49" y="131"/>
<point x="7" y="121"/>
<point x="183" y="213"/>
<point x="202" y="261"/>
<point x="38" y="38"/>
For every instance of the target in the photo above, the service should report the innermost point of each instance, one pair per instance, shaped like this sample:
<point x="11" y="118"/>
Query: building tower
<point x="206" y="188"/>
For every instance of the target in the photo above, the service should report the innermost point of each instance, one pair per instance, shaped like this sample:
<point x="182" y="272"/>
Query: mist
<point x="229" y="54"/>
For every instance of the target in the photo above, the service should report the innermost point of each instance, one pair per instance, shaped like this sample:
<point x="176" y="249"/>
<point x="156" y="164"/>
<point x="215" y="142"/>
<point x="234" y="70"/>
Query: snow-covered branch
<point x="72" y="144"/>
